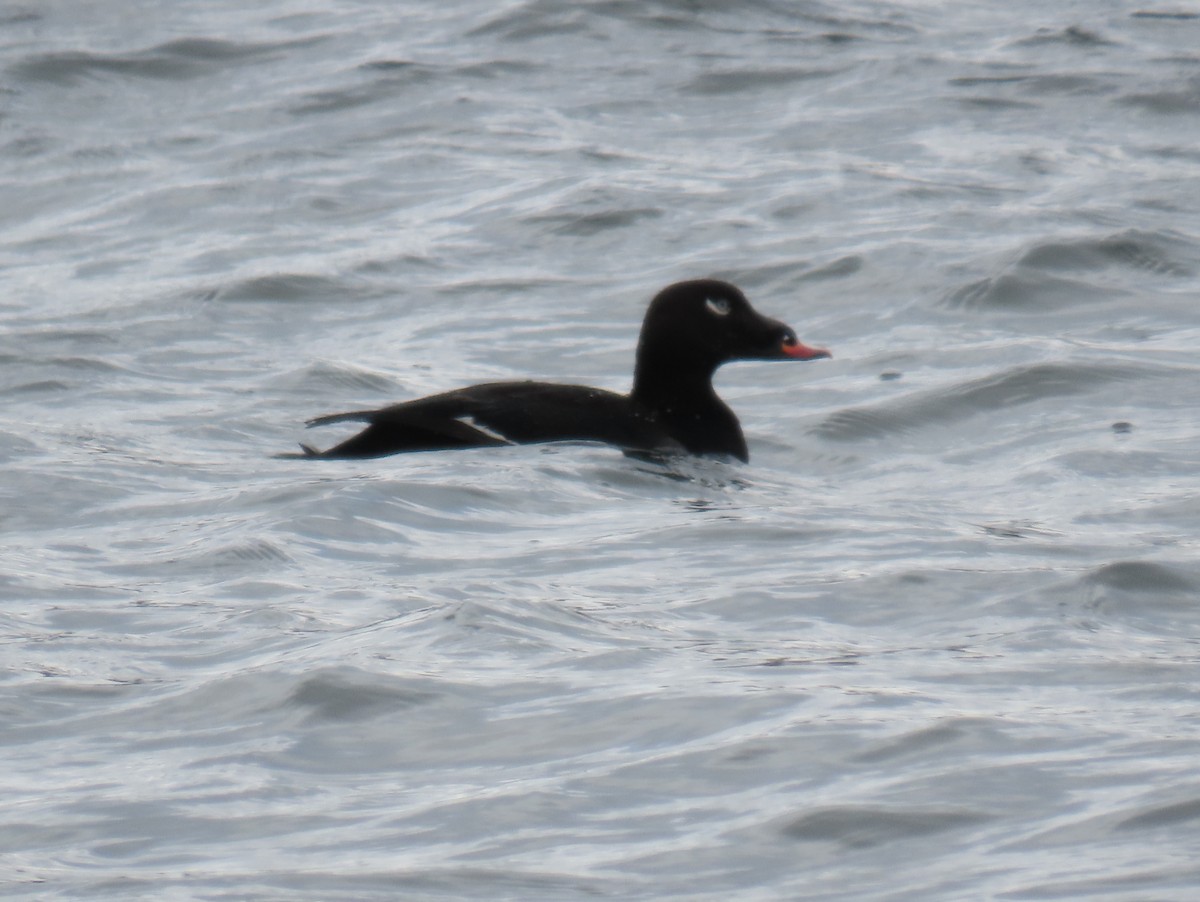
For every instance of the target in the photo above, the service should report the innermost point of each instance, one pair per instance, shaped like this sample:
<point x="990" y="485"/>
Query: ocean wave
<point x="1018" y="385"/>
<point x="1059" y="273"/>
<point x="172" y="60"/>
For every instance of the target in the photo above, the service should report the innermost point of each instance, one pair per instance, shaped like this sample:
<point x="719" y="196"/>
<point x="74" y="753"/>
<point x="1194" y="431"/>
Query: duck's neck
<point x="683" y="399"/>
<point x="668" y="372"/>
<point x="665" y="387"/>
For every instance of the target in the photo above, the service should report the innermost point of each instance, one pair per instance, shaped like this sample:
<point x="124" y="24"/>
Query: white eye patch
<point x="719" y="306"/>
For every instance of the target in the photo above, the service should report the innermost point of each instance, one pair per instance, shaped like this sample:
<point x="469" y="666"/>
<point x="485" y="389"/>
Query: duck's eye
<point x="719" y="306"/>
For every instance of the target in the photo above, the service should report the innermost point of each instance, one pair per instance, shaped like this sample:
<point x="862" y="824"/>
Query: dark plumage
<point x="690" y="329"/>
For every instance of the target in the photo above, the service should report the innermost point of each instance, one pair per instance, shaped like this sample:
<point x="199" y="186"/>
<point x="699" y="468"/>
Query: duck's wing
<point x="497" y="413"/>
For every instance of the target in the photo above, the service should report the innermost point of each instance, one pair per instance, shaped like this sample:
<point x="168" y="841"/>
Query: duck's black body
<point x="690" y="329"/>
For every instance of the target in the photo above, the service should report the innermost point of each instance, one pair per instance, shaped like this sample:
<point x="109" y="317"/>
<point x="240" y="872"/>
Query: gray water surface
<point x="940" y="639"/>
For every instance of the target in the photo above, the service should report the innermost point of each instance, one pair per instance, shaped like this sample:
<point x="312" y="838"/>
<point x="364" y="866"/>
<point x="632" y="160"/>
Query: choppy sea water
<point x="938" y="640"/>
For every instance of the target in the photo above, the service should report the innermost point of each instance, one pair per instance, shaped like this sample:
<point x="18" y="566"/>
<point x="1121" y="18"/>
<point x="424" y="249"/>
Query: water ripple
<point x="179" y="59"/>
<point x="863" y="827"/>
<point x="1036" y="280"/>
<point x="1014" y="386"/>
